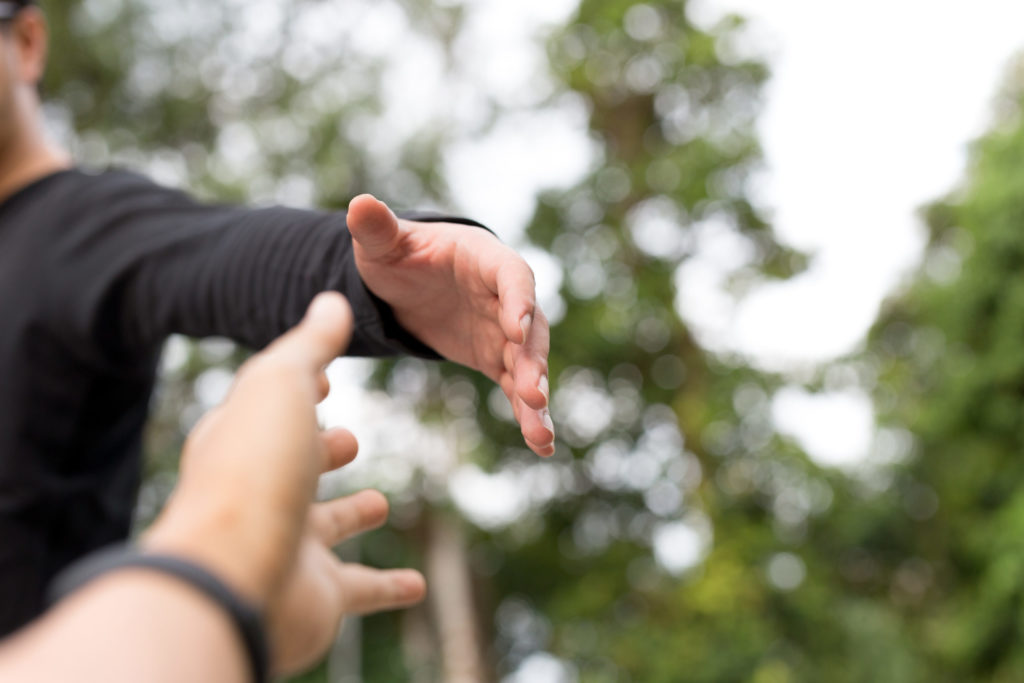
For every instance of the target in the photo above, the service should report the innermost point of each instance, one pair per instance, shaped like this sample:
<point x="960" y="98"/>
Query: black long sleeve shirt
<point x="96" y="270"/>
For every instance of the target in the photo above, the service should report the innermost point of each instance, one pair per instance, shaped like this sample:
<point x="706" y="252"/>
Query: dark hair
<point x="9" y="8"/>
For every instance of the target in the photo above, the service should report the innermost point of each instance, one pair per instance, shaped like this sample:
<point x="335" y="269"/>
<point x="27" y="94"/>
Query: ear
<point x="30" y="37"/>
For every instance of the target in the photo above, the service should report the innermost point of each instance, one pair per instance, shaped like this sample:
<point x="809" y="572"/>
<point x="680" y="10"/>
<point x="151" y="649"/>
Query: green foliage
<point x="674" y="121"/>
<point x="949" y="349"/>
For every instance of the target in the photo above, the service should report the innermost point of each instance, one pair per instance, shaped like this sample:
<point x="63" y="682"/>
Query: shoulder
<point x="76" y="195"/>
<point x="78" y="178"/>
<point x="101" y="186"/>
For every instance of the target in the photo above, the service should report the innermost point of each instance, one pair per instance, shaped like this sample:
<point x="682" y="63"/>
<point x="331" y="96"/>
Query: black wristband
<point x="246" y="618"/>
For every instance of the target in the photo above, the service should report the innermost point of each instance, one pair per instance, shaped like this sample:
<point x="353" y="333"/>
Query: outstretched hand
<point x="462" y="292"/>
<point x="243" y="504"/>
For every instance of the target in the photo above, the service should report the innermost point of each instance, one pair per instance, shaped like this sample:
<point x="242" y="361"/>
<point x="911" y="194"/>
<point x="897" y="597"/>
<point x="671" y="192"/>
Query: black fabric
<point x="96" y="270"/>
<point x="247" y="619"/>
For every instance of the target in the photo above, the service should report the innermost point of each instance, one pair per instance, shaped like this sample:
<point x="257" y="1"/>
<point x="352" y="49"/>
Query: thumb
<point x="322" y="334"/>
<point x="374" y="228"/>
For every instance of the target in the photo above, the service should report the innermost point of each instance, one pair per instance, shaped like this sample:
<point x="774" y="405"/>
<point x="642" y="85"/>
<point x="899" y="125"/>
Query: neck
<point x="28" y="156"/>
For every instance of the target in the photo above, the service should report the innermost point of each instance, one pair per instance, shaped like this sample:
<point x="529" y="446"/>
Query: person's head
<point x="23" y="41"/>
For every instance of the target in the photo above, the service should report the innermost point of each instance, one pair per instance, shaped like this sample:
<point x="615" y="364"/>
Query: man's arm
<point x="128" y="626"/>
<point x="141" y="262"/>
<point x="150" y="262"/>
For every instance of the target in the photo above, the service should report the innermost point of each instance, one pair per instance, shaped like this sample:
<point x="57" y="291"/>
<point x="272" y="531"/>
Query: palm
<point x="319" y="588"/>
<point x="305" y="616"/>
<point x="436" y="279"/>
<point x="466" y="295"/>
<point x="263" y="445"/>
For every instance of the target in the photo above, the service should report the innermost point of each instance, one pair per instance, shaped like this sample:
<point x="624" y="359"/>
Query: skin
<point x="458" y="289"/>
<point x="270" y="414"/>
<point x="25" y="152"/>
<point x="482" y="289"/>
<point x="244" y="510"/>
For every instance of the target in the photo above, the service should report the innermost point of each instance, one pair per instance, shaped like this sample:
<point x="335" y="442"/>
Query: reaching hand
<point x="468" y="296"/>
<point x="243" y="505"/>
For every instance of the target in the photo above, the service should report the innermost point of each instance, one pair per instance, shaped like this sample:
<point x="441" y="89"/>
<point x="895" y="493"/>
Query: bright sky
<point x="867" y="118"/>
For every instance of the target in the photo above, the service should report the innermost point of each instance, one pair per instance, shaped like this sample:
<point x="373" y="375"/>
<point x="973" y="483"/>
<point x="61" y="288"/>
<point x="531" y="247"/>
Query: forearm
<point x="140" y="262"/>
<point x="131" y="625"/>
<point x="250" y="276"/>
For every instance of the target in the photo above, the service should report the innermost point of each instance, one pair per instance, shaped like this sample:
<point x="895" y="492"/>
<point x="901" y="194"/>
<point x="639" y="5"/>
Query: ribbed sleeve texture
<point x="146" y="262"/>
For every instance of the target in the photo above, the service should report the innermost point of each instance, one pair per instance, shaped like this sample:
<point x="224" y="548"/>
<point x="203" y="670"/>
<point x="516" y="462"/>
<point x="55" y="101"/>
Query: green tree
<point x="665" y="449"/>
<point x="946" y="548"/>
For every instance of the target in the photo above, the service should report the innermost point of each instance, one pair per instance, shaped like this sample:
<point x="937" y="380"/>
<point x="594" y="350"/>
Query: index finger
<point x="320" y="337"/>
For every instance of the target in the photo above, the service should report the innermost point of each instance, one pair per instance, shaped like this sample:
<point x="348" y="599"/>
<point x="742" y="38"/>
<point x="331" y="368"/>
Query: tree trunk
<point x="451" y="600"/>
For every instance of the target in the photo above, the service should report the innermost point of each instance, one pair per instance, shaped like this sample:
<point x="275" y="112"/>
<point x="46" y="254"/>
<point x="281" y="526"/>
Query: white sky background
<point x="868" y="115"/>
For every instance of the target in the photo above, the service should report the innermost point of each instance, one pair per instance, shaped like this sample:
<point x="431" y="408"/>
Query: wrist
<point x="115" y="567"/>
<point x="220" y="549"/>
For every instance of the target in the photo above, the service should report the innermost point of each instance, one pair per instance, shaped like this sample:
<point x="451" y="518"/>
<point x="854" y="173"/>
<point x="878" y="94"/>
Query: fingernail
<point x="545" y="417"/>
<point x="524" y="325"/>
<point x="542" y="386"/>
